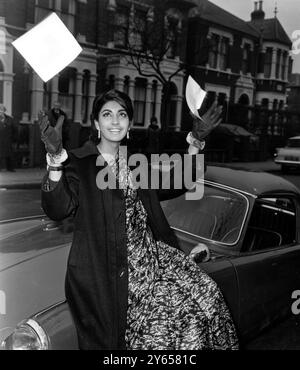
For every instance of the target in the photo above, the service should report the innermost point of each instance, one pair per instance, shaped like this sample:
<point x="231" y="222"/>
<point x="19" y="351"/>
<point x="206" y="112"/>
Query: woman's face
<point x="113" y="122"/>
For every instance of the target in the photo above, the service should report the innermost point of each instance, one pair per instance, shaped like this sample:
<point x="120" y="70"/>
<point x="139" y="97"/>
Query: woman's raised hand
<point x="209" y="121"/>
<point x="51" y="136"/>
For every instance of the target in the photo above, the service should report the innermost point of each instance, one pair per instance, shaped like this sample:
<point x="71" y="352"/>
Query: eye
<point x="123" y="114"/>
<point x="106" y="114"/>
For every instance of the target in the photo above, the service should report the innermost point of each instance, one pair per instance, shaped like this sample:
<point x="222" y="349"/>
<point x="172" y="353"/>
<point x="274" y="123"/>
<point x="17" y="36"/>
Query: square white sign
<point x="48" y="47"/>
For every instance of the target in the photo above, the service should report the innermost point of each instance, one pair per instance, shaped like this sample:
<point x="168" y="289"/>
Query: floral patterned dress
<point x="172" y="303"/>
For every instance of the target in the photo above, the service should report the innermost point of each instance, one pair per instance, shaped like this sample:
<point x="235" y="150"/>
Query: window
<point x="213" y="51"/>
<point x="265" y="103"/>
<point x="1" y="82"/>
<point x="224" y="49"/>
<point x="1" y="92"/>
<point x="43" y="9"/>
<point x="272" y="224"/>
<point x="283" y="65"/>
<point x="268" y="63"/>
<point x="139" y="101"/>
<point x="246" y="59"/>
<point x="65" y="6"/>
<point x="126" y="85"/>
<point x="138" y="30"/>
<point x="47" y="95"/>
<point x="153" y="98"/>
<point x="278" y="63"/>
<point x="47" y="4"/>
<point x="217" y="216"/>
<point x="85" y="96"/>
<point x="121" y="27"/>
<point x="63" y="84"/>
<point x="67" y="13"/>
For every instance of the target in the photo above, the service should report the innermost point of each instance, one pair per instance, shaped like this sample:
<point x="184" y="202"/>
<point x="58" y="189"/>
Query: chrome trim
<point x="35" y="326"/>
<point x="26" y="218"/>
<point x="40" y="332"/>
<point x="280" y="161"/>
<point x="228" y="188"/>
<point x="49" y="308"/>
<point x="242" y="225"/>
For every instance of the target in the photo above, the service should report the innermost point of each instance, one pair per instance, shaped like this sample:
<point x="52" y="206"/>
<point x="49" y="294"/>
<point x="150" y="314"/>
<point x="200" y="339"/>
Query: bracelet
<point x="52" y="168"/>
<point x="200" y="144"/>
<point x="57" y="160"/>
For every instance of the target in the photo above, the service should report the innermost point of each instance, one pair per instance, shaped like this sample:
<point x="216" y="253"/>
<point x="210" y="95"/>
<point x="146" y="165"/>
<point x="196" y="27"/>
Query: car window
<point x="272" y="224"/>
<point x="218" y="216"/>
<point x="293" y="143"/>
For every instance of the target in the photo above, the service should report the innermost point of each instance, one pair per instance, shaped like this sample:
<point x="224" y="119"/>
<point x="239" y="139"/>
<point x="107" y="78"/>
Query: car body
<point x="289" y="156"/>
<point x="249" y="221"/>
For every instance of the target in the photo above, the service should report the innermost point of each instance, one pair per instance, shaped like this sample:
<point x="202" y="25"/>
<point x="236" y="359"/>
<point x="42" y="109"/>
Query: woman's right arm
<point x="60" y="192"/>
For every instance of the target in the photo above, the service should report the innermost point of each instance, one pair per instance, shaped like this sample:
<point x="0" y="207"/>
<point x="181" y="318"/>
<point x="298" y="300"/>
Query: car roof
<point x="253" y="182"/>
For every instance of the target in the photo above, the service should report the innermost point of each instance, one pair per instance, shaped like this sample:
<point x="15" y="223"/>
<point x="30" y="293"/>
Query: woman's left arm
<point x="201" y="129"/>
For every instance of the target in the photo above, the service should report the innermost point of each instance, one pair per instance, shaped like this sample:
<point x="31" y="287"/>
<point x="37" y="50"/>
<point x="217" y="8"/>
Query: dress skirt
<point x="172" y="303"/>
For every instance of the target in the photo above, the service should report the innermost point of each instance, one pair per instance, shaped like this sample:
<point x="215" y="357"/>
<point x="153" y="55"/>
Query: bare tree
<point x="156" y="37"/>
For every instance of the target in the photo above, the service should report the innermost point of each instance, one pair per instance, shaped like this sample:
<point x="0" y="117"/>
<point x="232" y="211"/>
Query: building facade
<point x="242" y="64"/>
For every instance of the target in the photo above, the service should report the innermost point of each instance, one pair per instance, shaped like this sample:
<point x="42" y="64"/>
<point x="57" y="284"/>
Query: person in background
<point x="153" y="138"/>
<point x="6" y="139"/>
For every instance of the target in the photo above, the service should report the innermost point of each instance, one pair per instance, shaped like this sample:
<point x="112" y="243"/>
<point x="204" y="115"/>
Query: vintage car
<point x="289" y="156"/>
<point x="248" y="220"/>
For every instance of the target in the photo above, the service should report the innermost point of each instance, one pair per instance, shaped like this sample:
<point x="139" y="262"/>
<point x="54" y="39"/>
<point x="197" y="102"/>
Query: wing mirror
<point x="200" y="253"/>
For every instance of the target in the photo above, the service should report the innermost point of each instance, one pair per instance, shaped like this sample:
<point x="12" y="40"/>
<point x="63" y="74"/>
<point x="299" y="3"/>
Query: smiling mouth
<point x="115" y="131"/>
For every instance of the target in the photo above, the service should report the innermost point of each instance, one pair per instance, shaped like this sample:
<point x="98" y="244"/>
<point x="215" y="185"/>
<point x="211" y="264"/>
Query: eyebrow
<point x="109" y="110"/>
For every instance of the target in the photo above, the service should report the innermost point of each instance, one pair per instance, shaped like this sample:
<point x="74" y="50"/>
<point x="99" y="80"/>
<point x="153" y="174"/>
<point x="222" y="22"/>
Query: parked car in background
<point x="249" y="221"/>
<point x="289" y="156"/>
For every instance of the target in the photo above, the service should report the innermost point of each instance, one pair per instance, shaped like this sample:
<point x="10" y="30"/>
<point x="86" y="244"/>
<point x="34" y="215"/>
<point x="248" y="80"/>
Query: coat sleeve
<point x="60" y="199"/>
<point x="166" y="192"/>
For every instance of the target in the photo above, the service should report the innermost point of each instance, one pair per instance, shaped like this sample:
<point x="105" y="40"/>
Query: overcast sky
<point x="288" y="15"/>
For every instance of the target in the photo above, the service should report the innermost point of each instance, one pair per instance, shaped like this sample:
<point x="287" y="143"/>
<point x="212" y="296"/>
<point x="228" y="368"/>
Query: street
<point x="285" y="335"/>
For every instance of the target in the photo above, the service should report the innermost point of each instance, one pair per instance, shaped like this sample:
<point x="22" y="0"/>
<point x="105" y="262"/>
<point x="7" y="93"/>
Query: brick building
<point x="243" y="64"/>
<point x="240" y="63"/>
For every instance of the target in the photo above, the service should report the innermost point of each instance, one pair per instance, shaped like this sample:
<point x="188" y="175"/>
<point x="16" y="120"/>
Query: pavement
<point x="26" y="178"/>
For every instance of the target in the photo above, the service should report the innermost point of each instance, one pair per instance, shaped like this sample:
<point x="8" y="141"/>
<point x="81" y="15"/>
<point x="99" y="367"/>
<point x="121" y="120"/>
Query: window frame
<point x="213" y="52"/>
<point x="268" y="63"/>
<point x="296" y="204"/>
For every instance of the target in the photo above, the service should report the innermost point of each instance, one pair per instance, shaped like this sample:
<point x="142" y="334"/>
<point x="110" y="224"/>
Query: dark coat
<point x="97" y="277"/>
<point x="6" y="136"/>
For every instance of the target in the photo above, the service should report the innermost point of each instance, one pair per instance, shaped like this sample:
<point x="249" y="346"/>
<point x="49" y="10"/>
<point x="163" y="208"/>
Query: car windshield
<point x="218" y="216"/>
<point x="293" y="143"/>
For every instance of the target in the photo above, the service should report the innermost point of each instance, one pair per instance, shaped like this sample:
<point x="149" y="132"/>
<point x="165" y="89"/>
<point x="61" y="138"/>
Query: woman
<point x="128" y="285"/>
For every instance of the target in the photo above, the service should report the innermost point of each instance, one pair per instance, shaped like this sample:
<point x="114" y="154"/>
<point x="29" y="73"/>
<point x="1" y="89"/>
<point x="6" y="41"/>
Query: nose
<point x="115" y="120"/>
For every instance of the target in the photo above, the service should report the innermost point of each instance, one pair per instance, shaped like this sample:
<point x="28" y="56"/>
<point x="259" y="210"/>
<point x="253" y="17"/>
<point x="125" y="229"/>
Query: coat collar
<point x="88" y="148"/>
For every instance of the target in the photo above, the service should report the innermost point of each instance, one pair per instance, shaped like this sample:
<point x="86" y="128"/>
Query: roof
<point x="272" y="30"/>
<point x="255" y="183"/>
<point x="217" y="15"/>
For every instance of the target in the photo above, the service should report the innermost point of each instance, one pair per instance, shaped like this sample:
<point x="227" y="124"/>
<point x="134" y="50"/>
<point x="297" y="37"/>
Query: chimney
<point x="258" y="13"/>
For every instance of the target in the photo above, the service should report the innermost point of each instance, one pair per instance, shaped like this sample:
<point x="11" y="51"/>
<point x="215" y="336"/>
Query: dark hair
<point x="111" y="95"/>
<point x="153" y="119"/>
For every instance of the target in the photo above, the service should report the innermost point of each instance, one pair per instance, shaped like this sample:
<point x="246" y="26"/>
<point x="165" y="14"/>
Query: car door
<point x="268" y="267"/>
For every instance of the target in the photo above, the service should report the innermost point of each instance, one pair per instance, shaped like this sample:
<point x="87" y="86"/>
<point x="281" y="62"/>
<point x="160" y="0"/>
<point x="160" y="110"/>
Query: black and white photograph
<point x="150" y="177"/>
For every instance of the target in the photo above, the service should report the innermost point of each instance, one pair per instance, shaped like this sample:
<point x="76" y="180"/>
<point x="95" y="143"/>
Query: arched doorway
<point x="244" y="99"/>
<point x="243" y="111"/>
